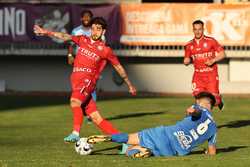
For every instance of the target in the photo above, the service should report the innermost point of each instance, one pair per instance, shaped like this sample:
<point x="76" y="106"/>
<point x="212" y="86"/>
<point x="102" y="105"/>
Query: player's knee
<point x="96" y="117"/>
<point x="75" y="103"/>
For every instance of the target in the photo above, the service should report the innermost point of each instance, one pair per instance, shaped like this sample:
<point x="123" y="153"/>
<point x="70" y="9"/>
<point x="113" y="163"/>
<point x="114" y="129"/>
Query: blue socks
<point x="120" y="138"/>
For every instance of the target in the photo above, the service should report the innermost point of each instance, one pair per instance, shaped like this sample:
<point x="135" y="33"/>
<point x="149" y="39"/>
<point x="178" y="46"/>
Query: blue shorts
<point x="157" y="140"/>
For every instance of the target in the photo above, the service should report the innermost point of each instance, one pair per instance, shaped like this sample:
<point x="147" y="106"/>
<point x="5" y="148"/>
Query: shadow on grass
<point x="12" y="102"/>
<point x="99" y="152"/>
<point x="133" y="115"/>
<point x="221" y="150"/>
<point x="235" y="124"/>
<point x="16" y="102"/>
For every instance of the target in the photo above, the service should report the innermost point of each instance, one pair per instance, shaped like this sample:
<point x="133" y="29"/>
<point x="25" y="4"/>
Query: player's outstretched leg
<point x="98" y="138"/>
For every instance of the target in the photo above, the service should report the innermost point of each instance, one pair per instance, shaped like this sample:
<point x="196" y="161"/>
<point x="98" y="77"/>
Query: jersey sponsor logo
<point x="186" y="140"/>
<point x="89" y="54"/>
<point x="82" y="69"/>
<point x="208" y="69"/>
<point x="202" y="55"/>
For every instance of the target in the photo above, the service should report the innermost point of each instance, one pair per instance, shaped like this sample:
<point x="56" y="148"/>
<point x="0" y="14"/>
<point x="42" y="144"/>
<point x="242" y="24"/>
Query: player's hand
<point x="210" y="62"/>
<point x="205" y="151"/>
<point x="70" y="59"/>
<point x="39" y="31"/>
<point x="132" y="90"/>
<point x="190" y="110"/>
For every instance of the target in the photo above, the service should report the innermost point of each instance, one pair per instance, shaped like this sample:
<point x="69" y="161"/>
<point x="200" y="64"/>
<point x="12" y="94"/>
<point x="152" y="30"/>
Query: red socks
<point x="104" y="125"/>
<point x="77" y="118"/>
<point x="107" y="127"/>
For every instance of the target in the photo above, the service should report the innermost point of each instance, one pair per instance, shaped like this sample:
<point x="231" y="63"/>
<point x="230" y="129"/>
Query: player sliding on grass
<point x="88" y="62"/>
<point x="178" y="139"/>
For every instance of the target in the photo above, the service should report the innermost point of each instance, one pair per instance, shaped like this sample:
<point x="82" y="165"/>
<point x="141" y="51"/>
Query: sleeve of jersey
<point x="102" y="65"/>
<point x="212" y="140"/>
<point x="77" y="39"/>
<point x="217" y="46"/>
<point x="187" y="51"/>
<point x="72" y="33"/>
<point x="112" y="57"/>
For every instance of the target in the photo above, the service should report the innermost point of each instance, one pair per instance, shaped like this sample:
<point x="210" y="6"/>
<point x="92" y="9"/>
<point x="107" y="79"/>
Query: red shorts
<point x="205" y="82"/>
<point x="82" y="86"/>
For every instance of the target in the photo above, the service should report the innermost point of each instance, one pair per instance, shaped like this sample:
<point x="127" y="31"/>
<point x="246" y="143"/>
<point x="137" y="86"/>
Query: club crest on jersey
<point x="205" y="45"/>
<point x="100" y="48"/>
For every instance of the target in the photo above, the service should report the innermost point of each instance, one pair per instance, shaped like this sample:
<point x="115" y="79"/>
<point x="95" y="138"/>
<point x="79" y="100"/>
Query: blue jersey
<point x="191" y="132"/>
<point x="181" y="138"/>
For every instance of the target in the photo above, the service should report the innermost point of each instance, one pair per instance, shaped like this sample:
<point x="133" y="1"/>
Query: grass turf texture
<point x="32" y="131"/>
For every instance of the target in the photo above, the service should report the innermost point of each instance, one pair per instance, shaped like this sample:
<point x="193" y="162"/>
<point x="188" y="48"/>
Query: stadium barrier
<point x="162" y="34"/>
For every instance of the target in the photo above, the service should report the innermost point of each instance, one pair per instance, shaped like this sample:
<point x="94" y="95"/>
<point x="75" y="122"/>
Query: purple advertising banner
<point x="17" y="20"/>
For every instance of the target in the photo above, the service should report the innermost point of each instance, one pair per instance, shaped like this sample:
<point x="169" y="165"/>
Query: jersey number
<point x="200" y="130"/>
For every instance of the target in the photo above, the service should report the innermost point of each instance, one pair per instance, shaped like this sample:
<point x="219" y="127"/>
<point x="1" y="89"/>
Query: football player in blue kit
<point x="179" y="139"/>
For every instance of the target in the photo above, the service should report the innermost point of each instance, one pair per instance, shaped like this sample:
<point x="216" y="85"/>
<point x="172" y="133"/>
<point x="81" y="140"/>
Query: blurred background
<point x="148" y="36"/>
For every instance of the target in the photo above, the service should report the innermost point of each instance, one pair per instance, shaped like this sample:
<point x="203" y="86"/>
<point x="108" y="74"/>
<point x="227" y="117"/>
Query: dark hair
<point x="86" y="12"/>
<point x="206" y="95"/>
<point x="198" y="22"/>
<point x="99" y="20"/>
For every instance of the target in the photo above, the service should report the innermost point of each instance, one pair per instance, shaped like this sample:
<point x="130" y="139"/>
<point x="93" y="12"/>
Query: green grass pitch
<point x="32" y="131"/>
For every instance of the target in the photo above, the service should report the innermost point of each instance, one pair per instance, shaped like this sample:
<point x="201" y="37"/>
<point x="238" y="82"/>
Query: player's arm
<point x="44" y="32"/>
<point x="71" y="47"/>
<point x="187" y="61"/>
<point x="100" y="69"/>
<point x="211" y="145"/>
<point x="70" y="54"/>
<point x="187" y="56"/>
<point x="211" y="150"/>
<point x="194" y="111"/>
<point x="220" y="54"/>
<point x="121" y="71"/>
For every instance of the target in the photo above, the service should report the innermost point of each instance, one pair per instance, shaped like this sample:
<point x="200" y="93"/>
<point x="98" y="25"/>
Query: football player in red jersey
<point x="88" y="65"/>
<point x="204" y="52"/>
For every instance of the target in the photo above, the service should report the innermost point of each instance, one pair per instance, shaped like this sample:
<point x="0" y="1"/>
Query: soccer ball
<point x="82" y="147"/>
